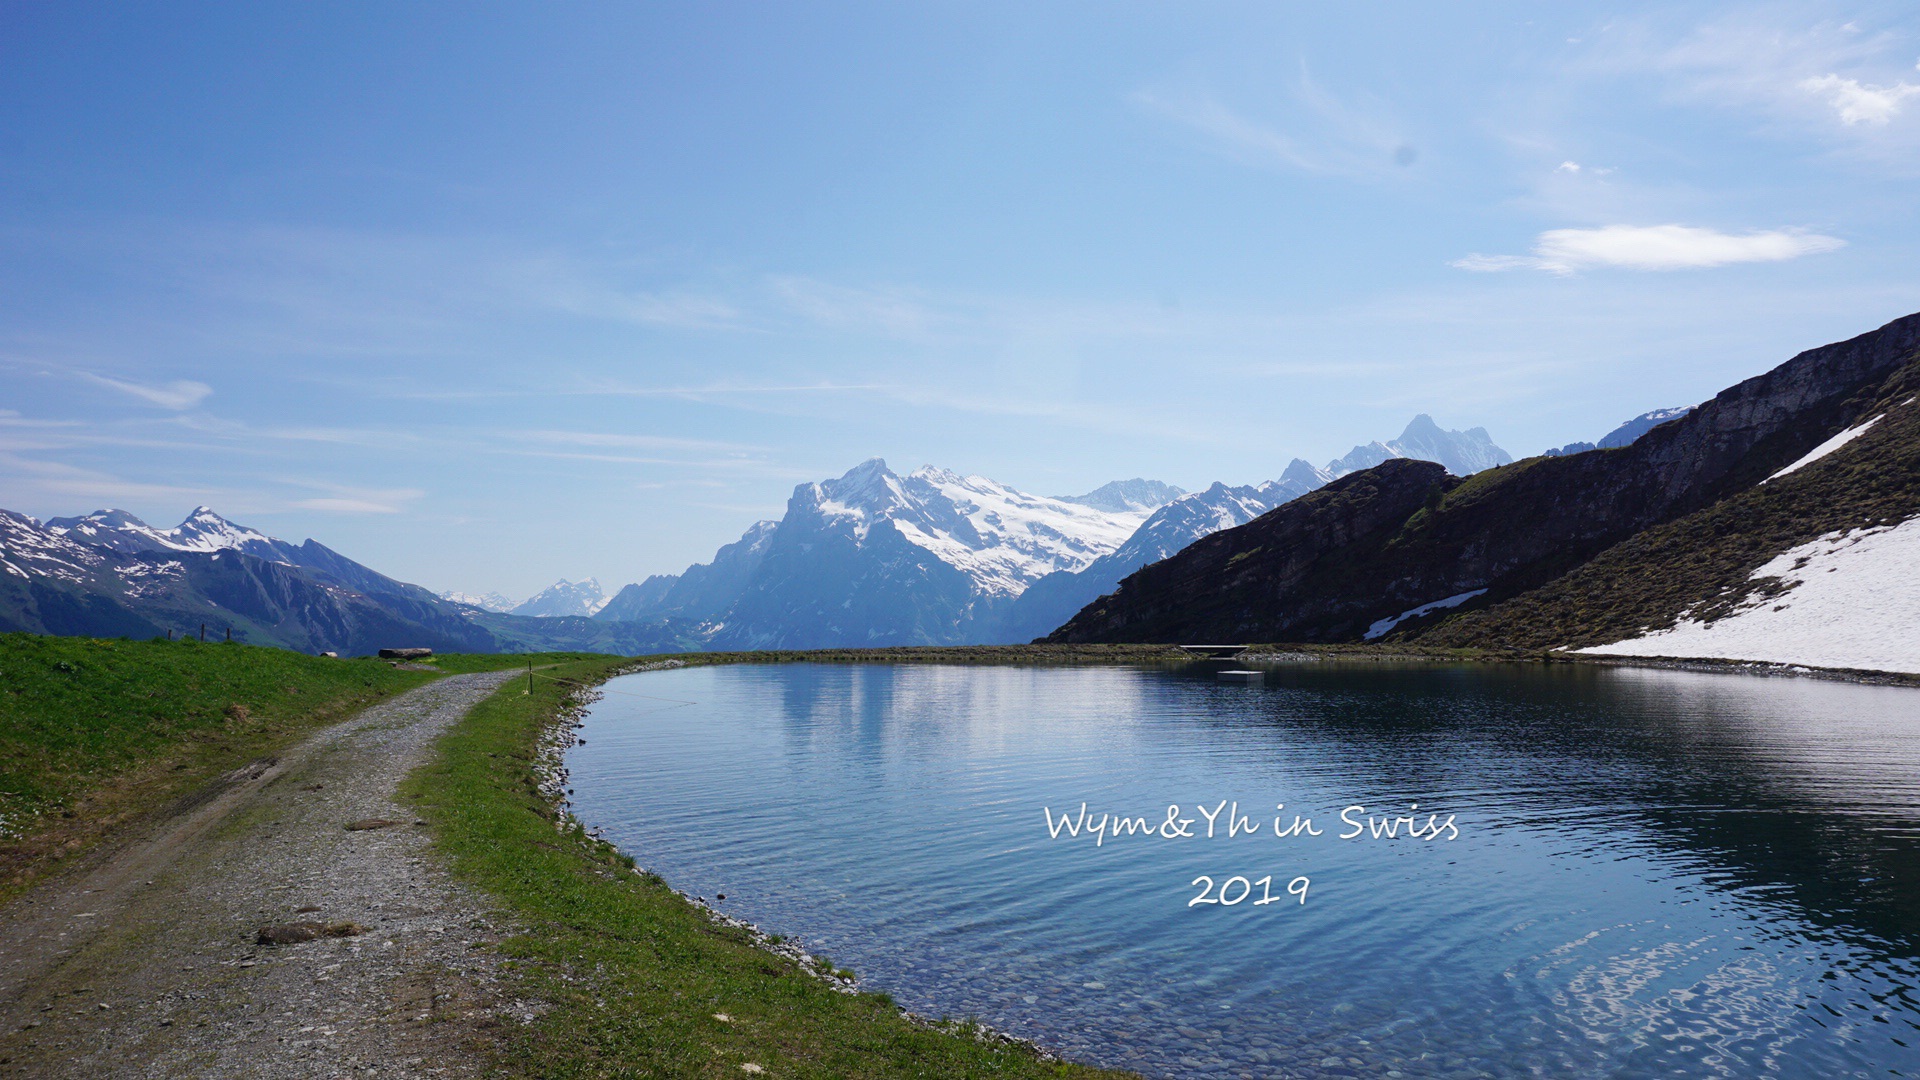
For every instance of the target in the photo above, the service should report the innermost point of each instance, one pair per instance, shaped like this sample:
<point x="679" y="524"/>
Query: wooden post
<point x="529" y="690"/>
<point x="203" y="631"/>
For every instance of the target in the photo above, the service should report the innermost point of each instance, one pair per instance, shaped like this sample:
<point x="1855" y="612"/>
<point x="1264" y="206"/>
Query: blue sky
<point x="487" y="295"/>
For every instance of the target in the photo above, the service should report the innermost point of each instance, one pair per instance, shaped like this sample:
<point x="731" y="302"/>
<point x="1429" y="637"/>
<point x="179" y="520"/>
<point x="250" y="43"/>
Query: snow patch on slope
<point x="1381" y="628"/>
<point x="1826" y="448"/>
<point x="1852" y="601"/>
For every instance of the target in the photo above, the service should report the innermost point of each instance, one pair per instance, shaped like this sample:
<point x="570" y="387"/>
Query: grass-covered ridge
<point x="94" y="732"/>
<point x="639" y="977"/>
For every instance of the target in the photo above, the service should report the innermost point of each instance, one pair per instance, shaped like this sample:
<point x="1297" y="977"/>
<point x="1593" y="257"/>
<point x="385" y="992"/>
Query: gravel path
<point x="142" y="961"/>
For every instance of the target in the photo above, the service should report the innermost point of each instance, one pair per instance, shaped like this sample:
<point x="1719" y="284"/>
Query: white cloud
<point x="1857" y="102"/>
<point x="179" y="394"/>
<point x="1653" y="247"/>
<point x="1838" y="83"/>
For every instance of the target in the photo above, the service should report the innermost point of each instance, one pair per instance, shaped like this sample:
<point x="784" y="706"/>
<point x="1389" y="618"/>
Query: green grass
<point x="636" y="973"/>
<point x="96" y="732"/>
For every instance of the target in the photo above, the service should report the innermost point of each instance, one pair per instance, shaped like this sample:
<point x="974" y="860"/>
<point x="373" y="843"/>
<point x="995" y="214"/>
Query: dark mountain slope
<point x="1703" y="563"/>
<point x="638" y="600"/>
<point x="1307" y="571"/>
<point x="1299" y="554"/>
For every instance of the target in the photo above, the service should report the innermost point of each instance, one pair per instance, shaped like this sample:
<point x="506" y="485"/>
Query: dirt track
<point x="141" y="960"/>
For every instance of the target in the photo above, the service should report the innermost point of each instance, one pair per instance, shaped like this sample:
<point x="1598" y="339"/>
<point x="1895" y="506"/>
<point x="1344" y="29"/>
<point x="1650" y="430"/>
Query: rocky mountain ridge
<point x="877" y="558"/>
<point x="1382" y="543"/>
<point x="108" y="574"/>
<point x="932" y="557"/>
<point x="1057" y="597"/>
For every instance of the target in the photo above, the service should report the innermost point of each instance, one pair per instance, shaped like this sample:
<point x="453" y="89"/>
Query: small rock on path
<point x="145" y="960"/>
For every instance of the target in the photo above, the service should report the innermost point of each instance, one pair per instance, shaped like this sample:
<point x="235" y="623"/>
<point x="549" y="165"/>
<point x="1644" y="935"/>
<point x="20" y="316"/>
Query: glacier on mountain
<point x="932" y="557"/>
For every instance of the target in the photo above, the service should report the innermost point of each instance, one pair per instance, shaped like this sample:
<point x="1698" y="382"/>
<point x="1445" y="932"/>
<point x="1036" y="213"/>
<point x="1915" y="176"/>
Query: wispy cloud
<point x="347" y="500"/>
<point x="69" y="484"/>
<point x="1653" y="247"/>
<point x="179" y="394"/>
<point x="1839" y="82"/>
<point x="1239" y="136"/>
<point x="682" y="309"/>
<point x="572" y="437"/>
<point x="1325" y="134"/>
<point x="893" y="312"/>
<point x="573" y="291"/>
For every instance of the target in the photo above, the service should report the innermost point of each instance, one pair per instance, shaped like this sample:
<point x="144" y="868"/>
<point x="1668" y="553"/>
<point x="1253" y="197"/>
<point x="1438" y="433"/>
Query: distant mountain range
<point x="491" y="601"/>
<point x="870" y="558"/>
<point x="1693" y="535"/>
<point x="1055" y="598"/>
<point x="877" y="558"/>
<point x="1623" y="435"/>
<point x="1134" y="496"/>
<point x="564" y="598"/>
<point x="932" y="558"/>
<point x="109" y="574"/>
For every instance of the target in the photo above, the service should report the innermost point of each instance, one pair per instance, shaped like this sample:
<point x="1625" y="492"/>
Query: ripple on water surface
<point x="1656" y="873"/>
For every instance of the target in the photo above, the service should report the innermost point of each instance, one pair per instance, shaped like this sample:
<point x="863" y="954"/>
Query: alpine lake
<point x="1433" y="870"/>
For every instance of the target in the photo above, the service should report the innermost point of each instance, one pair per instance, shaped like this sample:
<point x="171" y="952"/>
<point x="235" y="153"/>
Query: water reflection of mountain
<point x="1793" y="792"/>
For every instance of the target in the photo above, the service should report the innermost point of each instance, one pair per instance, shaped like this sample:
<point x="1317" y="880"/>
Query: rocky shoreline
<point x="550" y="772"/>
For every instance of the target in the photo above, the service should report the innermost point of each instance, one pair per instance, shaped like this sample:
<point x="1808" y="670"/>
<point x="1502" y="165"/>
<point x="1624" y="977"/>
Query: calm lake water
<point x="1656" y="873"/>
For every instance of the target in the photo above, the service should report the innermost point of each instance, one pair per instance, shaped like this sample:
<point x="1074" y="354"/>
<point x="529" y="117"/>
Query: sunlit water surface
<point x="1657" y="874"/>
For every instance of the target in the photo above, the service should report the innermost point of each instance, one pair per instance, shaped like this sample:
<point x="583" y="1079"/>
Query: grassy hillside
<point x="94" y="732"/>
<point x="644" y="982"/>
<point x="1703" y="561"/>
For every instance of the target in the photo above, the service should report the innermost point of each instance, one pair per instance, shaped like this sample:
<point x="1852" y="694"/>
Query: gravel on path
<point x="144" y="960"/>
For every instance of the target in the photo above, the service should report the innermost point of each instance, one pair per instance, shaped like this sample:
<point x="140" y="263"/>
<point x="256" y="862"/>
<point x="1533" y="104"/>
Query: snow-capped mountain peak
<point x="1137" y="495"/>
<point x="867" y="492"/>
<point x="1002" y="538"/>
<point x="116" y="530"/>
<point x="1462" y="452"/>
<point x="1302" y="474"/>
<point x="203" y="530"/>
<point x="564" y="598"/>
<point x="487" y="601"/>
